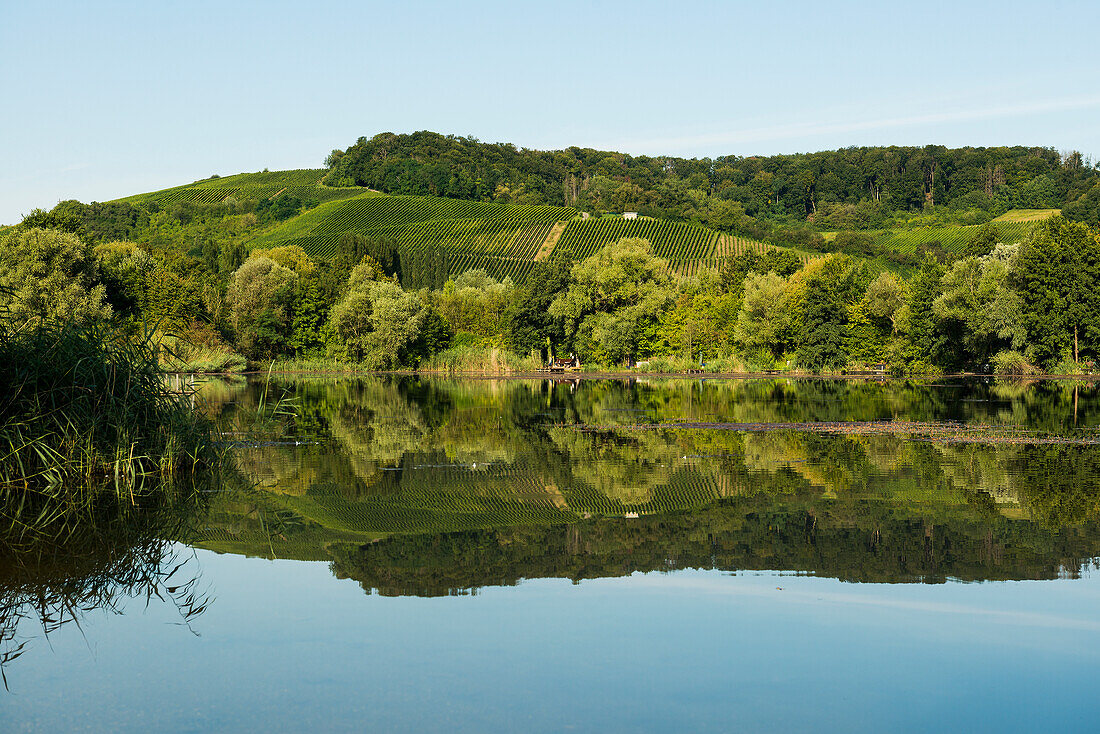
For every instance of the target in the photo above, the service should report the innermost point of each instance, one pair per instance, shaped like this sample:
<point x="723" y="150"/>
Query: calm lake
<point x="424" y="554"/>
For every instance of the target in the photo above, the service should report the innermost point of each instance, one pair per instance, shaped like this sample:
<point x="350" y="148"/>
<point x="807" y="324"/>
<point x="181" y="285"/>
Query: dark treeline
<point x="851" y="541"/>
<point x="850" y="188"/>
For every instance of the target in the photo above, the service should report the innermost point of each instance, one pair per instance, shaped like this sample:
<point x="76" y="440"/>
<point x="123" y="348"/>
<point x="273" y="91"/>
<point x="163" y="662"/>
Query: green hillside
<point x="507" y="239"/>
<point x="302" y="183"/>
<point x="503" y="239"/>
<point x="952" y="239"/>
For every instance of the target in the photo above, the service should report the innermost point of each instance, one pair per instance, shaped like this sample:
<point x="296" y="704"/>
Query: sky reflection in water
<point x="285" y="647"/>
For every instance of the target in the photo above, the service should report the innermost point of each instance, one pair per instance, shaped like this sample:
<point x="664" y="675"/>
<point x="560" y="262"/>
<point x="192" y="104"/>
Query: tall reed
<point x="85" y="405"/>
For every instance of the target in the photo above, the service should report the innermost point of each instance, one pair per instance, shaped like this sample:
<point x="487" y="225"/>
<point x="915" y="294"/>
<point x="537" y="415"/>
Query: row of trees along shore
<point x="1005" y="308"/>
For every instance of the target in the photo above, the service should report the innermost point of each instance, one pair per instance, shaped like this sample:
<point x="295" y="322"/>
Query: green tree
<point x="59" y="219"/>
<point x="1057" y="275"/>
<point x="885" y="297"/>
<point x="475" y="303"/>
<point x="529" y="321"/>
<point x="823" y="293"/>
<point x="732" y="270"/>
<point x="1085" y="208"/>
<point x="619" y="291"/>
<point x="762" y="322"/>
<point x="976" y="295"/>
<point x="311" y="309"/>
<point x="260" y="297"/>
<point x="377" y="323"/>
<point x="983" y="241"/>
<point x="49" y="275"/>
<point x="918" y="315"/>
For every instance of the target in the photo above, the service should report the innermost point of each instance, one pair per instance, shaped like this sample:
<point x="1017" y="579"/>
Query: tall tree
<point x="1057" y="275"/>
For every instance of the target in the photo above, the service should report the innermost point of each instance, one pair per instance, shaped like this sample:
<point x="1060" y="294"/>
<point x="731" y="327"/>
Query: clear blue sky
<point x="107" y="99"/>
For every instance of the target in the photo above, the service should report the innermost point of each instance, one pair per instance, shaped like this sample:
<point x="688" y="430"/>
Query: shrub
<point x="1011" y="362"/>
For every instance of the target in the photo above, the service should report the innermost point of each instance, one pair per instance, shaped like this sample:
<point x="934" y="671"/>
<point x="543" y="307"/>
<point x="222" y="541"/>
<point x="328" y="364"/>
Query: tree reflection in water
<point x="435" y="486"/>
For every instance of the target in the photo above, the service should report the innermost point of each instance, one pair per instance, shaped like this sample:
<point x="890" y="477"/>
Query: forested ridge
<point x="850" y="188"/>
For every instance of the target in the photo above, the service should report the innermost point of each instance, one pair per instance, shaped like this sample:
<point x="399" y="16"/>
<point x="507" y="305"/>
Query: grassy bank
<point x="479" y="360"/>
<point x="456" y="360"/>
<point x="198" y="356"/>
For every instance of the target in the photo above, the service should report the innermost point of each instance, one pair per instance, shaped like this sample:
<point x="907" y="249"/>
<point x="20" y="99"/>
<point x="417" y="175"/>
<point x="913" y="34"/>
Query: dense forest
<point x="850" y="188"/>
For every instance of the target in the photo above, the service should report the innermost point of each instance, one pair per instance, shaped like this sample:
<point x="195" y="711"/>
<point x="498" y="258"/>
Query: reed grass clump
<point x="479" y="360"/>
<point x="87" y="405"/>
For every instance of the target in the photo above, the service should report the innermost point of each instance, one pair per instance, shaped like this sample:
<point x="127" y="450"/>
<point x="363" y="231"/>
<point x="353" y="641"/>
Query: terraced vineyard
<point x="674" y="241"/>
<point x="303" y="183"/>
<point x="688" y="248"/>
<point x="503" y="239"/>
<point x="952" y="239"/>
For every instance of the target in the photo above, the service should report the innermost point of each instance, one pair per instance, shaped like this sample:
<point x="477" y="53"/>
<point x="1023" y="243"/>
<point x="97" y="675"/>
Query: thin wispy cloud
<point x="813" y="128"/>
<point x="794" y="591"/>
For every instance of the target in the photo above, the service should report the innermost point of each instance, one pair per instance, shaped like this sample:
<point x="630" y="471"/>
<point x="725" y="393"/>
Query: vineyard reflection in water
<point x="430" y="486"/>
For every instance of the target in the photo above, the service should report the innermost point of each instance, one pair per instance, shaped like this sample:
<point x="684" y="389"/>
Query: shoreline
<point x="619" y="375"/>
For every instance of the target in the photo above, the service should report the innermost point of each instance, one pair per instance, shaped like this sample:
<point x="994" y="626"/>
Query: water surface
<point x="414" y="554"/>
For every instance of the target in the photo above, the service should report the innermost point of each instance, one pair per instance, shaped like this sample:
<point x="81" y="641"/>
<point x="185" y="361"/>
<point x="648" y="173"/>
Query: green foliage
<point x="1057" y="276"/>
<point x="762" y="322"/>
<point x="822" y="297"/>
<point x="353" y="248"/>
<point x="983" y="241"/>
<point x="697" y="328"/>
<point x="1011" y="362"/>
<point x="919" y="318"/>
<point x="311" y="309"/>
<point x="1085" y="208"/>
<point x="101" y="222"/>
<point x="475" y="303"/>
<point x="124" y="270"/>
<point x="856" y="184"/>
<point x="733" y="270"/>
<point x="283" y="206"/>
<point x="260" y="297"/>
<point x="886" y="296"/>
<point x="378" y="324"/>
<point x="85" y="404"/>
<point x="976" y="295"/>
<point x="613" y="300"/>
<point x="50" y="276"/>
<point x="60" y="220"/>
<point x="530" y="324"/>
